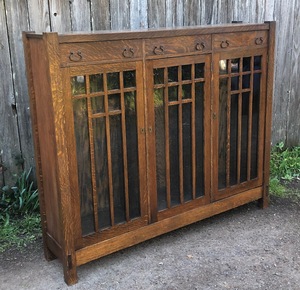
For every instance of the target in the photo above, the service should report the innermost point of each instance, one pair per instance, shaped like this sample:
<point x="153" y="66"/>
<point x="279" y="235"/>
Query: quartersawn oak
<point x="138" y="133"/>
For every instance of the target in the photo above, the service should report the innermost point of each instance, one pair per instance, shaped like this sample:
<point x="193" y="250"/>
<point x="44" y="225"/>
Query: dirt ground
<point x="245" y="248"/>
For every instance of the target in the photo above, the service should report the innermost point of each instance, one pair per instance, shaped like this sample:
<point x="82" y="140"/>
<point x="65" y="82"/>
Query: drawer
<point x="76" y="53"/>
<point x="177" y="45"/>
<point x="253" y="39"/>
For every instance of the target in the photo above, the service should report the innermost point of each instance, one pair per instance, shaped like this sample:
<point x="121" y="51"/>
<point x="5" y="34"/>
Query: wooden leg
<point x="264" y="201"/>
<point x="70" y="270"/>
<point x="49" y="256"/>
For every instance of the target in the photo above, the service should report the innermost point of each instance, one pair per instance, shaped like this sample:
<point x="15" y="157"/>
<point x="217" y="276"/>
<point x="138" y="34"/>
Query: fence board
<point x="9" y="139"/>
<point x="138" y="14"/>
<point x="192" y="12"/>
<point x="100" y="14"/>
<point x="39" y="20"/>
<point x="60" y="17"/>
<point x="174" y="13"/>
<point x="120" y="14"/>
<point x="80" y="15"/>
<point x="156" y="13"/>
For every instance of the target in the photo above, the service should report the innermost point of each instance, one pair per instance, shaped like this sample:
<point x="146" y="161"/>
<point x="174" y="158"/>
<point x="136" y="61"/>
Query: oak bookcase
<point x="138" y="133"/>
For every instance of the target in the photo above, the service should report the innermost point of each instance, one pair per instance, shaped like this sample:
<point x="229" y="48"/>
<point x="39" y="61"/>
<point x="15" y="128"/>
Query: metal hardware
<point x="158" y="49"/>
<point x="200" y="46"/>
<point x="224" y="44"/>
<point x="259" y="41"/>
<point x="150" y="129"/>
<point x="75" y="56"/>
<point x="214" y="116"/>
<point x="143" y="130"/>
<point x="128" y="52"/>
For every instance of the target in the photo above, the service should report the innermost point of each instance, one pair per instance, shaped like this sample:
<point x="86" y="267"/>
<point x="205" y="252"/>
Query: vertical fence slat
<point x="156" y="13"/>
<point x="100" y="14"/>
<point x="80" y="15"/>
<point x="39" y="15"/>
<point x="120" y="14"/>
<point x="174" y="13"/>
<point x="60" y="16"/>
<point x="138" y="14"/>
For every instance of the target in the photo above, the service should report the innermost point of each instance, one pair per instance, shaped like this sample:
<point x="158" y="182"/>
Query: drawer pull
<point x="224" y="44"/>
<point x="158" y="50"/>
<point x="128" y="52"/>
<point x="259" y="41"/>
<point x="200" y="46"/>
<point x="75" y="56"/>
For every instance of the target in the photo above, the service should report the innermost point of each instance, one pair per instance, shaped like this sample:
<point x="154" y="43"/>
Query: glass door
<point x="239" y="106"/>
<point x="109" y="149"/>
<point x="179" y="106"/>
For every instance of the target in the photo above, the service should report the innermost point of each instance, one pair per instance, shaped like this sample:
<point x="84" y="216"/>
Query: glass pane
<point x="246" y="81"/>
<point x="233" y="138"/>
<point x="117" y="168"/>
<point x="132" y="154"/>
<point x="78" y="85"/>
<point x="235" y="65"/>
<point x="173" y="93"/>
<point x="160" y="148"/>
<point x="173" y="74"/>
<point x="235" y="83"/>
<point x="83" y="166"/>
<point x="158" y="74"/>
<point x="222" y="132"/>
<point x="187" y="91"/>
<point x="101" y="171"/>
<point x="244" y="139"/>
<point x="113" y="81"/>
<point x="187" y="152"/>
<point x="97" y="104"/>
<point x="129" y="78"/>
<point x="246" y="63"/>
<point x="199" y="105"/>
<point x="255" y="125"/>
<point x="187" y="72"/>
<point x="96" y="83"/>
<point x="174" y="155"/>
<point x="199" y="70"/>
<point x="114" y="102"/>
<point x="257" y="62"/>
<point x="223" y="67"/>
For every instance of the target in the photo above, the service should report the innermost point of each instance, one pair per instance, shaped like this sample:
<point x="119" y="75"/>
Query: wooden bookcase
<point x="138" y="133"/>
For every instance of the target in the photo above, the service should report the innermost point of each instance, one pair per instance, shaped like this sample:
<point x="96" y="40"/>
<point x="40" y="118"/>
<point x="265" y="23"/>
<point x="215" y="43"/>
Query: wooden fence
<point x="16" y="149"/>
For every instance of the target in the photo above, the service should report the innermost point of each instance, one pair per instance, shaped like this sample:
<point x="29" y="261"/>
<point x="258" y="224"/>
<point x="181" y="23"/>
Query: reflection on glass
<point x="173" y="74"/>
<point x="199" y="70"/>
<point x="158" y="97"/>
<point x="186" y="72"/>
<point x="187" y="151"/>
<point x="223" y="67"/>
<point x="83" y="165"/>
<point x="187" y="91"/>
<point x="96" y="83"/>
<point x="235" y="65"/>
<point x="101" y="170"/>
<point x="114" y="102"/>
<point x="129" y="78"/>
<point x="158" y="74"/>
<point x="222" y="132"/>
<point x="246" y="63"/>
<point x="246" y="81"/>
<point x="97" y="104"/>
<point x="235" y="83"/>
<point x="113" y="81"/>
<point x="173" y="93"/>
<point x="257" y="62"/>
<point x="199" y="115"/>
<point x="78" y="85"/>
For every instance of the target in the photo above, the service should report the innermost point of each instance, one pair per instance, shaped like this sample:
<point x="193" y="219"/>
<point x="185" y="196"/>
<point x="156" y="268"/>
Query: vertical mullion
<point x="167" y="149"/>
<point x="124" y="143"/>
<point x="108" y="148"/>
<point x="228" y="127"/>
<point x="92" y="154"/>
<point x="250" y="120"/>
<point x="239" y="124"/>
<point x="180" y="134"/>
<point x="193" y="125"/>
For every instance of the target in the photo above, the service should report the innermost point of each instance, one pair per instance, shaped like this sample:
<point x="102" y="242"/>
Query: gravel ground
<point x="245" y="248"/>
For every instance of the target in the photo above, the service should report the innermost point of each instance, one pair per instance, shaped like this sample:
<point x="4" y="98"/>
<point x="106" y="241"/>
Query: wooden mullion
<point x="239" y="150"/>
<point x="92" y="155"/>
<point x="180" y="134"/>
<point x="167" y="145"/>
<point x="124" y="143"/>
<point x="250" y="121"/>
<point x="228" y="129"/>
<point x="193" y="133"/>
<point x="108" y="148"/>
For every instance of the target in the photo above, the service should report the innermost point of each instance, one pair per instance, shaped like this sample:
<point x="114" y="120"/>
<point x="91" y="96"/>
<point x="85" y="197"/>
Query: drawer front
<point x="76" y="53"/>
<point x="253" y="39"/>
<point x="177" y="45"/>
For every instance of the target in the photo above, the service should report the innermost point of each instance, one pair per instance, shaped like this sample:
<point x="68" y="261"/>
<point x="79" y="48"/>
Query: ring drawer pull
<point x="75" y="56"/>
<point x="200" y="46"/>
<point x="224" y="44"/>
<point x="158" y="50"/>
<point x="128" y="52"/>
<point x="259" y="40"/>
